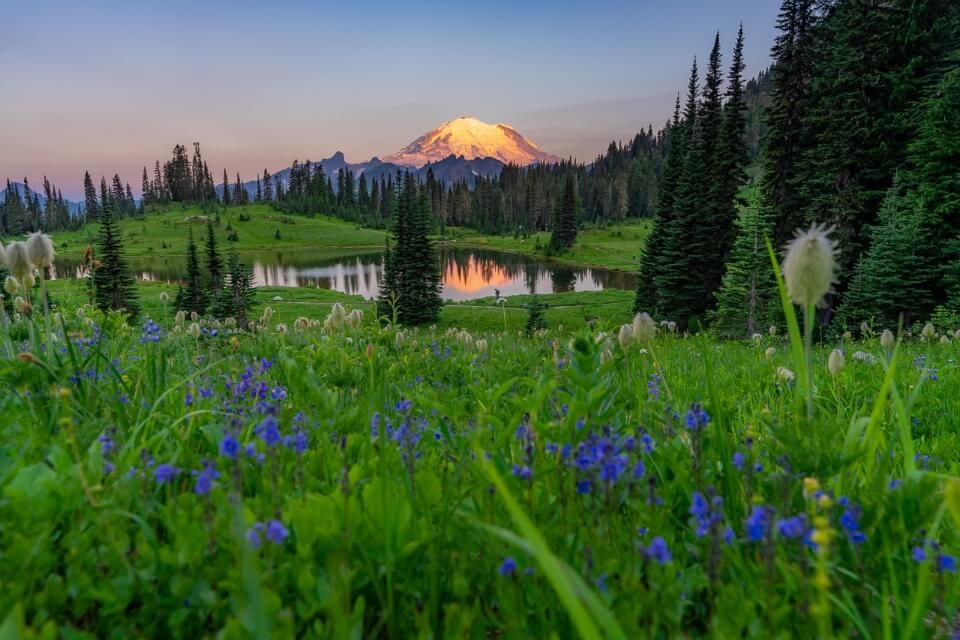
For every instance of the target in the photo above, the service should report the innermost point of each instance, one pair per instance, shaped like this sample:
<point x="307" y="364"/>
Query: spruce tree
<point x="647" y="298"/>
<point x="536" y="318"/>
<point x="236" y="297"/>
<point x="193" y="298"/>
<point x="678" y="292"/>
<point x="115" y="287"/>
<point x="746" y="301"/>
<point x="412" y="280"/>
<point x="565" y="229"/>
<point x="214" y="261"/>
<point x="91" y="209"/>
<point x="227" y="195"/>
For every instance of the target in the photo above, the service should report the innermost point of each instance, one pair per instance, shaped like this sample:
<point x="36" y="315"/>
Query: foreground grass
<point x="614" y="247"/>
<point x="359" y="482"/>
<point x="164" y="232"/>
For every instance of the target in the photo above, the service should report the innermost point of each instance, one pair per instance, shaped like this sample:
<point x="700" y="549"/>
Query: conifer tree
<point x="565" y="229"/>
<point x="536" y="318"/>
<point x="214" y="261"/>
<point x="91" y="209"/>
<point x="267" y="186"/>
<point x="236" y="297"/>
<point x="411" y="286"/>
<point x="192" y="299"/>
<point x="115" y="287"/>
<point x="747" y="302"/>
<point x="647" y="298"/>
<point x="227" y="195"/>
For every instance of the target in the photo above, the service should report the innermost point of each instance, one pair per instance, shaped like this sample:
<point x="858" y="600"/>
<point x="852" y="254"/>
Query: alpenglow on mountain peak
<point x="471" y="138"/>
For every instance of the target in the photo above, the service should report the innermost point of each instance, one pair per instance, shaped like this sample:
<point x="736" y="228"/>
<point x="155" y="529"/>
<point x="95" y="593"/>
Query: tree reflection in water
<point x="467" y="273"/>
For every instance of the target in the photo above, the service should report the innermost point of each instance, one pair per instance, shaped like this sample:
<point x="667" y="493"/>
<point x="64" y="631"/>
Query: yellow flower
<point x="810" y="486"/>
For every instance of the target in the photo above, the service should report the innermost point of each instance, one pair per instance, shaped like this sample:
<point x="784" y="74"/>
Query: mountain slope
<point x="471" y="138"/>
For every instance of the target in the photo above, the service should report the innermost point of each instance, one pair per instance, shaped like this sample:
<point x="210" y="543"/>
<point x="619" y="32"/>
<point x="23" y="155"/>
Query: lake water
<point x="467" y="273"/>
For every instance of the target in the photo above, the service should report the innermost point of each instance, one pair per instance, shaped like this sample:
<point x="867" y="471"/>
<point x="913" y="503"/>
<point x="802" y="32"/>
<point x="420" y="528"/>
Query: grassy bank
<point x="566" y="312"/>
<point x="614" y="247"/>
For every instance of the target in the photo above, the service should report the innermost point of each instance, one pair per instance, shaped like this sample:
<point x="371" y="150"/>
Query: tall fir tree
<point x="192" y="298"/>
<point x="214" y="261"/>
<point x="236" y="297"/>
<point x="411" y="286"/>
<point x="115" y="288"/>
<point x="565" y="229"/>
<point x="647" y="298"/>
<point x="90" y="206"/>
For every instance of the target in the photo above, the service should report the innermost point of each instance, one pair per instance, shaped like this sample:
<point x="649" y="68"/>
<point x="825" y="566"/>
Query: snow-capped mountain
<point x="471" y="138"/>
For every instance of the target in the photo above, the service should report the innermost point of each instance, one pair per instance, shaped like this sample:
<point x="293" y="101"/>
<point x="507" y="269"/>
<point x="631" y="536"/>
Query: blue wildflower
<point x="639" y="470"/>
<point x="205" y="478"/>
<point x="697" y="418"/>
<point x="658" y="551"/>
<point x="793" y="527"/>
<point x="269" y="431"/>
<point x="524" y="472"/>
<point x="758" y="523"/>
<point x="164" y="473"/>
<point x="229" y="446"/>
<point x="947" y="563"/>
<point x="583" y="487"/>
<point x="919" y="554"/>
<point x="276" y="532"/>
<point x="738" y="460"/>
<point x="508" y="568"/>
<point x="300" y="442"/>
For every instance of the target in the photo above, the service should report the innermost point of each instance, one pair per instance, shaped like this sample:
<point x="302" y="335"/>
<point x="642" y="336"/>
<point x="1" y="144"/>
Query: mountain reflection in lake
<point x="467" y="273"/>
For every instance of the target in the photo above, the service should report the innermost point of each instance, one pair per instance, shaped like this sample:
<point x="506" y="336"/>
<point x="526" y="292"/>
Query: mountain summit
<point x="471" y="138"/>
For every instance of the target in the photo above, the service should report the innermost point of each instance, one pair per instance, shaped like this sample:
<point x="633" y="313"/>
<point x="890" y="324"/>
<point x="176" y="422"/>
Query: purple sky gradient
<point x="111" y="86"/>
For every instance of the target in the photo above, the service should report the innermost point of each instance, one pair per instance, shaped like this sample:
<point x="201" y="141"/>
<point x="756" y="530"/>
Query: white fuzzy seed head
<point x="481" y="345"/>
<point x="929" y="331"/>
<point x="887" y="339"/>
<point x="773" y="330"/>
<point x="770" y="352"/>
<point x="785" y="374"/>
<point x="644" y="328"/>
<point x="164" y="296"/>
<point x="836" y="362"/>
<point x="11" y="285"/>
<point x="625" y="336"/>
<point x="195" y="330"/>
<point x="18" y="260"/>
<point x="810" y="265"/>
<point x="40" y="250"/>
<point x="29" y="281"/>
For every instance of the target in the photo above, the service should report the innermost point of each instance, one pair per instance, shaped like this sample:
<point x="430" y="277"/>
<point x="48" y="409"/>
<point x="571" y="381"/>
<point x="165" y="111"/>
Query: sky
<point x="111" y="86"/>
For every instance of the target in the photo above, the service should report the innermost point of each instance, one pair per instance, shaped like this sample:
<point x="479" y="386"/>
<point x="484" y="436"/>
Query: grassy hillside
<point x="165" y="232"/>
<point x="614" y="247"/>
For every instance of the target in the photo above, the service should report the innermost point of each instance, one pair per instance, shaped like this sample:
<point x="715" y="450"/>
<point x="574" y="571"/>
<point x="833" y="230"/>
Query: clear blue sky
<point x="110" y="86"/>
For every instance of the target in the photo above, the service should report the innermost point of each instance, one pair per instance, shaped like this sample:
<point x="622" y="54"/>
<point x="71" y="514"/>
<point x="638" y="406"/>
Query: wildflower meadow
<point x="181" y="477"/>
